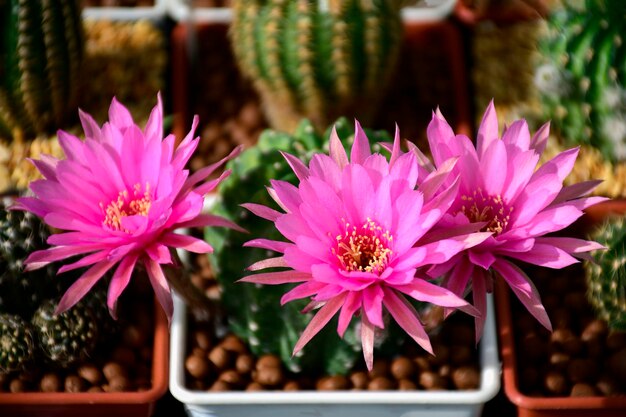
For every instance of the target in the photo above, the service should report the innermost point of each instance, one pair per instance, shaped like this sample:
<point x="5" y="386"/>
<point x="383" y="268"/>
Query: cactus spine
<point x="316" y="59"/>
<point x="606" y="278"/>
<point x="41" y="50"/>
<point x="255" y="312"/>
<point x="583" y="79"/>
<point x="17" y="344"/>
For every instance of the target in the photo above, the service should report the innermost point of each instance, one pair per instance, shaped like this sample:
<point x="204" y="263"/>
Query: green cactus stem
<point x="254" y="312"/>
<point x="582" y="79"/>
<point x="41" y="50"/>
<point x="20" y="234"/>
<point x="317" y="59"/>
<point x="17" y="344"/>
<point x="606" y="278"/>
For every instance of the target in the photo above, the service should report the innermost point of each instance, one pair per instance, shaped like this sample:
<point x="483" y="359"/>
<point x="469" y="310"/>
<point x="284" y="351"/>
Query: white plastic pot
<point x="334" y="403"/>
<point x="155" y="13"/>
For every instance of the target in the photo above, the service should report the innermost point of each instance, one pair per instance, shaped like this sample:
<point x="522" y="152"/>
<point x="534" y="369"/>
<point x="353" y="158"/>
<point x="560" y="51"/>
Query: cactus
<point x="254" y="312"/>
<point x="20" y="234"/>
<point x="16" y="343"/>
<point x="41" y="50"/>
<point x="66" y="338"/>
<point x="606" y="278"/>
<point x="316" y="59"/>
<point x="583" y="78"/>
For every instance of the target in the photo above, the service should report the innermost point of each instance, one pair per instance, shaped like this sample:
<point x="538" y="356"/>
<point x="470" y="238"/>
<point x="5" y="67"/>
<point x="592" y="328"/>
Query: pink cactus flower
<point x="358" y="239"/>
<point x="502" y="189"/>
<point x="120" y="195"/>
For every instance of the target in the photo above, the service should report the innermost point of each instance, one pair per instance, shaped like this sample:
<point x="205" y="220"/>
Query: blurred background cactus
<point x="317" y="59"/>
<point x="606" y="277"/>
<point x="254" y="312"/>
<point x="582" y="76"/>
<point x="41" y="51"/>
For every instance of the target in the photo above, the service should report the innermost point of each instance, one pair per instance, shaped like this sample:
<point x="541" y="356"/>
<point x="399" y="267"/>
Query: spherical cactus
<point x="65" y="338"/>
<point x="254" y="312"/>
<point x="20" y="234"/>
<point x="582" y="79"/>
<point x="41" y="50"/>
<point x="317" y="59"/>
<point x="606" y="277"/>
<point x="17" y="344"/>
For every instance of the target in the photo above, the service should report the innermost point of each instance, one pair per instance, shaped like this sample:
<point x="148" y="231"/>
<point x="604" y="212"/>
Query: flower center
<point x="364" y="248"/>
<point x="127" y="204"/>
<point x="479" y="207"/>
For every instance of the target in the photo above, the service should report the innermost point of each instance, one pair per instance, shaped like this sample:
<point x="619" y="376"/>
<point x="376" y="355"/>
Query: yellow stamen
<point x="126" y="205"/>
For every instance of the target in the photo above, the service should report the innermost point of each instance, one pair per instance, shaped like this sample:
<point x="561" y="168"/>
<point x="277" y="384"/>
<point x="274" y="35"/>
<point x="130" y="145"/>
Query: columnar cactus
<point x="254" y="312"/>
<point x="606" y="278"/>
<point x="317" y="59"/>
<point x="583" y="78"/>
<point x="41" y="50"/>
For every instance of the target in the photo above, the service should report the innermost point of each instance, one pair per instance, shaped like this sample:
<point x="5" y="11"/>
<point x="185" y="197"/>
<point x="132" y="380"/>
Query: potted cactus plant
<point x="581" y="80"/>
<point x="578" y="369"/>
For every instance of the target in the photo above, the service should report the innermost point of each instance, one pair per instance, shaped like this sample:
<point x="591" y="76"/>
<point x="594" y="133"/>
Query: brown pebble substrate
<point x="224" y="364"/>
<point x="581" y="357"/>
<point x="123" y="365"/>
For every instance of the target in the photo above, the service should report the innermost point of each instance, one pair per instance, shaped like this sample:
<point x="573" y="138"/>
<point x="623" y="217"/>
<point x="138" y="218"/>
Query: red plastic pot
<point x="501" y="12"/>
<point x="527" y="406"/>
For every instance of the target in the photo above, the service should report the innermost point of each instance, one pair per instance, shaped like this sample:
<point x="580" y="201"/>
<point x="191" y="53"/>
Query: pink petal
<point x="439" y="133"/>
<point x="436" y="179"/>
<point x="46" y="165"/>
<point x="71" y="145"/>
<point x="524" y="290"/>
<point x="488" y="130"/>
<point x="304" y="290"/>
<point x="424" y="164"/>
<point x="494" y="167"/>
<point x="337" y="151"/>
<point x="301" y="171"/>
<point x="544" y="255"/>
<point x="160" y="286"/>
<point x="482" y="259"/>
<point x="210" y="220"/>
<point x="159" y="253"/>
<point x="406" y="317"/>
<point x="517" y="136"/>
<point x="276" y="278"/>
<point x="205" y="172"/>
<point x="318" y="321"/>
<point x="361" y="146"/>
<point x="154" y="127"/>
<point x="357" y="187"/>
<point x="209" y="186"/>
<point x="85" y="261"/>
<point x="540" y="138"/>
<point x="395" y="150"/>
<point x="286" y="195"/>
<point x="119" y="115"/>
<point x="119" y="281"/>
<point x="90" y="127"/>
<point x="348" y="310"/>
<point x="189" y="243"/>
<point x="457" y="280"/>
<point x="561" y="165"/>
<point x="327" y="170"/>
<point x="82" y="286"/>
<point x="274" y="245"/>
<point x="41" y="258"/>
<point x="519" y="173"/>
<point x="570" y="245"/>
<point x="372" y="298"/>
<point x="264" y="212"/>
<point x="367" y="341"/>
<point x="576" y="190"/>
<point x="423" y="290"/>
<point x="278" y="262"/>
<point x="479" y="294"/>
<point x="553" y="219"/>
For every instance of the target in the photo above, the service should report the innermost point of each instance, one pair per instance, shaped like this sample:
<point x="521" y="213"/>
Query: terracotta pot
<point x="118" y="404"/>
<point x="533" y="406"/>
<point x="500" y="12"/>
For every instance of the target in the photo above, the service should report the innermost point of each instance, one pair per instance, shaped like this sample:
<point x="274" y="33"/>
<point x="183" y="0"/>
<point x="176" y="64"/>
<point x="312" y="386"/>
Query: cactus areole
<point x="41" y="50"/>
<point x="317" y="59"/>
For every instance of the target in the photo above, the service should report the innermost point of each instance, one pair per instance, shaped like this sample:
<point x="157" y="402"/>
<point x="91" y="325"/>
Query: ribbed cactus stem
<point x="316" y="59"/>
<point x="42" y="49"/>
<point x="606" y="278"/>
